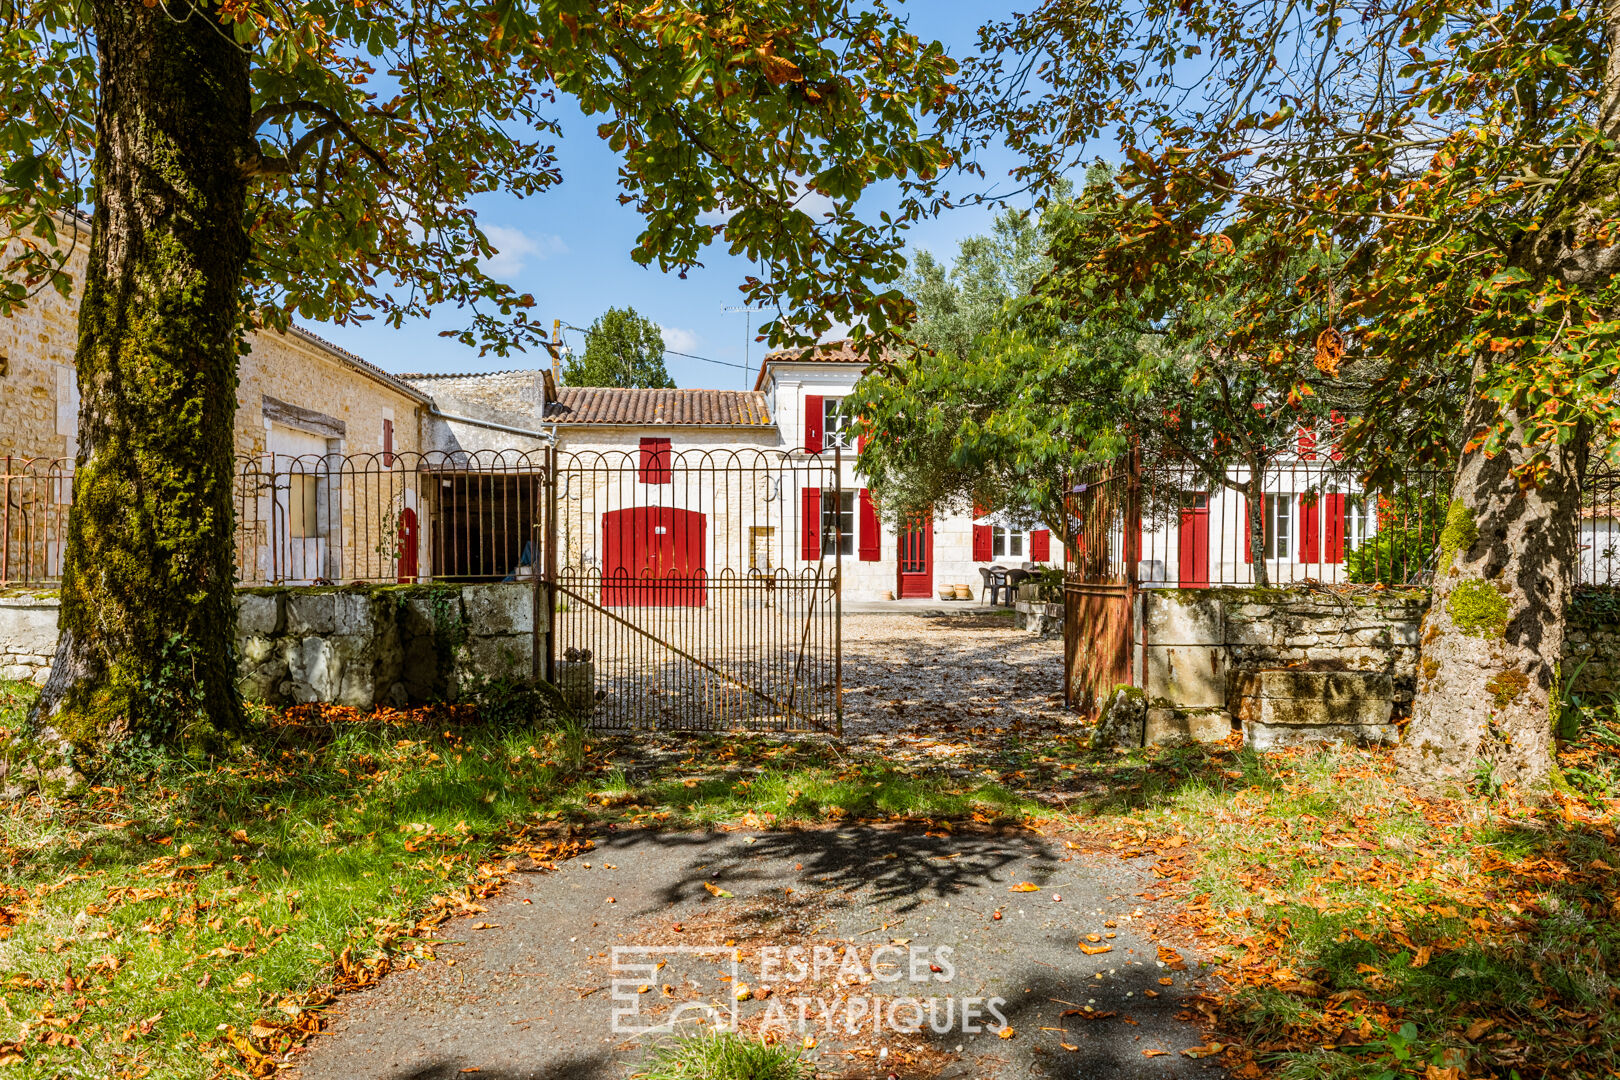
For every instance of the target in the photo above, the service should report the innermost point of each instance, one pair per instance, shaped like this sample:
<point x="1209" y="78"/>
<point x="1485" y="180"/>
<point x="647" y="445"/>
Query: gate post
<point x="546" y="582"/>
<point x="1133" y="561"/>
<point x="838" y="588"/>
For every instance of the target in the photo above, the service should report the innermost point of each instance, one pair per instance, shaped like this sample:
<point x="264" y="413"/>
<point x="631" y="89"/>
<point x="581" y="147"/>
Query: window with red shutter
<point x="871" y="534"/>
<point x="981" y="543"/>
<point x="656" y="461"/>
<point x="1310" y="529"/>
<point x="1040" y="545"/>
<point x="1307" y="444"/>
<point x="810" y="525"/>
<point x="1333" y="507"/>
<point x="388" y="443"/>
<point x="814" y="417"/>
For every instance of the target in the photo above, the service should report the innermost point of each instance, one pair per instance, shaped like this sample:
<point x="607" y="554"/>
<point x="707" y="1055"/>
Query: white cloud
<point x="678" y="340"/>
<point x="514" y="248"/>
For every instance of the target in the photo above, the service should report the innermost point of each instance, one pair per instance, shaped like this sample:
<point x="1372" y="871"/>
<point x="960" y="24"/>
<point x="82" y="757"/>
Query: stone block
<point x="508" y="656"/>
<point x="259" y="613"/>
<point x="493" y="610"/>
<point x="1334" y="686"/>
<point x="1170" y="727"/>
<point x="352" y="614"/>
<point x="576" y="681"/>
<point x="1262" y="736"/>
<point x="1318" y="712"/>
<point x="1187" y="676"/>
<point x="1184" y="617"/>
<point x="28" y="626"/>
<point x="1266" y="630"/>
<point x="311" y="613"/>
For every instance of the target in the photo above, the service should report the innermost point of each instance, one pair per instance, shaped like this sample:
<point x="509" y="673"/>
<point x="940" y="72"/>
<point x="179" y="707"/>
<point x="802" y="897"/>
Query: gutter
<point x="549" y="436"/>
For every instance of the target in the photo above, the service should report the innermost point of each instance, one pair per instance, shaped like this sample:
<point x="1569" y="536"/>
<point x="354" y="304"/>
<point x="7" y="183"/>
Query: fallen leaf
<point x="717" y="890"/>
<point x="1005" y="1033"/>
<point x="1095" y="950"/>
<point x="1155" y="1053"/>
<point x="1025" y="886"/>
<point x="1204" y="1051"/>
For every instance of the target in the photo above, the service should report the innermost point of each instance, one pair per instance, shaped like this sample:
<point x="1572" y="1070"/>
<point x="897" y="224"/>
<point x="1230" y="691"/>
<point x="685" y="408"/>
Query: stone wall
<point x="27" y="635"/>
<point x="1592" y="641"/>
<point x="359" y="646"/>
<point x="1201" y="643"/>
<point x="1203" y="648"/>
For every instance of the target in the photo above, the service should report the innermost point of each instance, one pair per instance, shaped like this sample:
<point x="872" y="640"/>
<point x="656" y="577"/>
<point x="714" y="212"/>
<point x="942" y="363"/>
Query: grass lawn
<point x="192" y="922"/>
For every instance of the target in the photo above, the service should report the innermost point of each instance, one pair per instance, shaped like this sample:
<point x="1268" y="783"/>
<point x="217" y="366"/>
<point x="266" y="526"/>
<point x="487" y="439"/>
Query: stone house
<point x="301" y="403"/>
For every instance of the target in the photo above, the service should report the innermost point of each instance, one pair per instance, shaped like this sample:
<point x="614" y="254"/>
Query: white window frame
<point x="1277" y="520"/>
<point x="1007" y="542"/>
<point x="832" y="528"/>
<point x="837" y="428"/>
<point x="1360" y="520"/>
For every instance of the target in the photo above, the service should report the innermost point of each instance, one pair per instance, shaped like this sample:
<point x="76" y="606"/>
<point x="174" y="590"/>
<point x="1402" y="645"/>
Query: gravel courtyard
<point x="929" y="673"/>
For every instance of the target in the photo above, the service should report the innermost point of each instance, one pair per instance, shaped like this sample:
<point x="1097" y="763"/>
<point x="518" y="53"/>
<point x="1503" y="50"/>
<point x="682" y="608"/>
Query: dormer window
<point x="837" y="425"/>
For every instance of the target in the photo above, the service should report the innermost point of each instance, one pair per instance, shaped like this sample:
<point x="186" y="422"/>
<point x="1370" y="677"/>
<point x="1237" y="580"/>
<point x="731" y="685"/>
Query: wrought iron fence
<point x="1600" y="526"/>
<point x="35" y="494"/>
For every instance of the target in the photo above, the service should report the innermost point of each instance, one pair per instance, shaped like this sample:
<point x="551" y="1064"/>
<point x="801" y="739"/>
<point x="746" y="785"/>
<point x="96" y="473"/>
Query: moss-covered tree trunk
<point x="146" y="597"/>
<point x="1488" y="662"/>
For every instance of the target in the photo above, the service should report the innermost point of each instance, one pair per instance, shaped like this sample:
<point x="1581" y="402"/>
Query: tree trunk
<point x="1255" y="497"/>
<point x="1488" y="664"/>
<point x="147" y="613"/>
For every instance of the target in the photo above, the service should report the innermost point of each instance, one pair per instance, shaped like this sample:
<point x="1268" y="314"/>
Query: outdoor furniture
<point x="1013" y="578"/>
<point x="995" y="580"/>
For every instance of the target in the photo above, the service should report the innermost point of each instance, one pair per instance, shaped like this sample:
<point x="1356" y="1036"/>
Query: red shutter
<point x="1307" y="444"/>
<point x="1310" y="529"/>
<point x="810" y="527"/>
<point x="1336" y="419"/>
<point x="1248" y="533"/>
<point x="1040" y="545"/>
<point x="871" y="535"/>
<point x="814" y="411"/>
<point x="860" y="436"/>
<point x="388" y="444"/>
<point x="655" y="461"/>
<point x="1333" y="509"/>
<point x="981" y="543"/>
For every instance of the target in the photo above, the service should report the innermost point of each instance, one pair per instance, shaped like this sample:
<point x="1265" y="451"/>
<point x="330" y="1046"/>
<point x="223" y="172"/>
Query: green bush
<point x="1401" y="552"/>
<point x="721" y="1055"/>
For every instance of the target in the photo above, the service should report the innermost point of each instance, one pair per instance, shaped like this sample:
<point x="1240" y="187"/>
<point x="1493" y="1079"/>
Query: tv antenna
<point x="748" y="314"/>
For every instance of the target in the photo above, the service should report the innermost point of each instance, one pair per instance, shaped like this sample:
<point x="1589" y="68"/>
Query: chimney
<point x="556" y="352"/>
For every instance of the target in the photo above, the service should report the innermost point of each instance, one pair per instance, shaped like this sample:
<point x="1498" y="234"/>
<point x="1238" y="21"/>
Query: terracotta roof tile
<point x="832" y="352"/>
<point x="698" y="408"/>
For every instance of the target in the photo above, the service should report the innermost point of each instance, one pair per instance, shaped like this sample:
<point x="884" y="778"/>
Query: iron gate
<point x="1099" y="591"/>
<point x="698" y="590"/>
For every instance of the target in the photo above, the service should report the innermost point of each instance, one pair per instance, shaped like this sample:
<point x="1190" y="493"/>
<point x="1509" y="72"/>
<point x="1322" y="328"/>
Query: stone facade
<point x="39" y="398"/>
<point x="359" y="646"/>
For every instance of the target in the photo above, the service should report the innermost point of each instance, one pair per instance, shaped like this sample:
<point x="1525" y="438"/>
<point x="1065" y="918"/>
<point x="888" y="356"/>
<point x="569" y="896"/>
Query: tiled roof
<point x="698" y="408"/>
<point x="832" y="352"/>
<point x="359" y="364"/>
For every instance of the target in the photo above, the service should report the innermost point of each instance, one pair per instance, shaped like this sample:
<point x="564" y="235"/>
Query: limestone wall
<point x="1592" y="641"/>
<point x="1198" y="648"/>
<point x="359" y="646"/>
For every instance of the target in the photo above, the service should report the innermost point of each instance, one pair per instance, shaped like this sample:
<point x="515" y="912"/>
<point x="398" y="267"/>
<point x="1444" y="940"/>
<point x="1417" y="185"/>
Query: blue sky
<point x="570" y="248"/>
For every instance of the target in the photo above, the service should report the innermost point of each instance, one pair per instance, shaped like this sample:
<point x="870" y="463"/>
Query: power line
<point x="673" y="352"/>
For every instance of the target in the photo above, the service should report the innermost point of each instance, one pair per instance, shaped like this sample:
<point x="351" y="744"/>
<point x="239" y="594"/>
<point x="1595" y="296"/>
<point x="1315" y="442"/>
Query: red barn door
<point x="654" y="556"/>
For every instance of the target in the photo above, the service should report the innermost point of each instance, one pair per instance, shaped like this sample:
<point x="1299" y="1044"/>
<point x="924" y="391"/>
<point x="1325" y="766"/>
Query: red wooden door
<point x="1195" y="543"/>
<point x="408" y="549"/>
<point x="654" y="556"/>
<point x="916" y="555"/>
